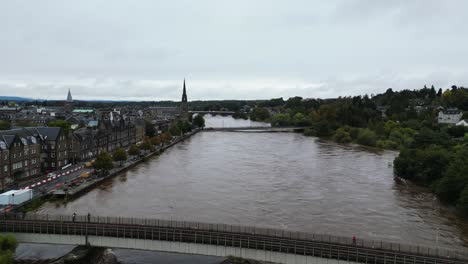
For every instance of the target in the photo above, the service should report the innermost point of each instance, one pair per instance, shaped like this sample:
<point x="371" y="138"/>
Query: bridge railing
<point x="453" y="253"/>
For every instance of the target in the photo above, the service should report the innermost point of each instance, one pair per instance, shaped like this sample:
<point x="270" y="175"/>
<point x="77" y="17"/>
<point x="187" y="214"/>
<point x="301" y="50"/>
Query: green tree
<point x="367" y="137"/>
<point x="260" y="114"/>
<point x="8" y="244"/>
<point x="120" y="155"/>
<point x="156" y="141"/>
<point x="299" y="119"/>
<point x="463" y="200"/>
<point x="146" y="145"/>
<point x="5" y="125"/>
<point x="455" y="177"/>
<point x="66" y="126"/>
<point x="17" y="175"/>
<point x="134" y="150"/>
<point x="281" y="119"/>
<point x="103" y="162"/>
<point x="199" y="121"/>
<point x="175" y="130"/>
<point x="150" y="130"/>
<point x="342" y="136"/>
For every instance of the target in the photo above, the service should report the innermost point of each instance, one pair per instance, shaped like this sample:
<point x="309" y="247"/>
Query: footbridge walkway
<point x="256" y="129"/>
<point x="218" y="240"/>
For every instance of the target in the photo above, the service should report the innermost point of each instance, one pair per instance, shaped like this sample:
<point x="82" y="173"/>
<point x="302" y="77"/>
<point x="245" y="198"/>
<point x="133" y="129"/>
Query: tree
<point x="103" y="162"/>
<point x="166" y="137"/>
<point x="5" y="125"/>
<point x="156" y="140"/>
<point x="367" y="137"/>
<point x="282" y="119"/>
<point x="134" y="150"/>
<point x="463" y="200"/>
<point x="8" y="244"/>
<point x="66" y="126"/>
<point x="120" y="155"/>
<point x="175" y="130"/>
<point x="17" y="175"/>
<point x="146" y="145"/>
<point x="150" y="131"/>
<point x="260" y="114"/>
<point x="342" y="136"/>
<point x="439" y="93"/>
<point x="199" y="121"/>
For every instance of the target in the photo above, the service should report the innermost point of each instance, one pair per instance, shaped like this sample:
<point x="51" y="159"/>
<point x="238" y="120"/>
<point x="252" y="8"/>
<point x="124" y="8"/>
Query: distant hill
<point x="16" y="98"/>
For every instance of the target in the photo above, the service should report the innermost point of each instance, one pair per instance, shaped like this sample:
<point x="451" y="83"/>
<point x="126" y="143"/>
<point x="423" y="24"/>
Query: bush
<point x="310" y="132"/>
<point x="387" y="144"/>
<point x="279" y="120"/>
<point x="8" y="244"/>
<point x="342" y="136"/>
<point x="367" y="137"/>
<point x="463" y="200"/>
<point x="354" y="132"/>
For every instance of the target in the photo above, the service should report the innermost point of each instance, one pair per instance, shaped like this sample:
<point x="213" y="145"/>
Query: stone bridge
<point x="219" y="240"/>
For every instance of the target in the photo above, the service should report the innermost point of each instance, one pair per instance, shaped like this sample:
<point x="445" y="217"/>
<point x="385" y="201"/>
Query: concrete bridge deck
<point x="219" y="240"/>
<point x="256" y="129"/>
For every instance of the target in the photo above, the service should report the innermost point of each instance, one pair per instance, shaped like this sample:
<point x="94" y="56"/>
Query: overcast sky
<point x="242" y="49"/>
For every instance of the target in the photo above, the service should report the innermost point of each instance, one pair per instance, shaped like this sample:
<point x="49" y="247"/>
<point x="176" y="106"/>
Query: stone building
<point x="19" y="157"/>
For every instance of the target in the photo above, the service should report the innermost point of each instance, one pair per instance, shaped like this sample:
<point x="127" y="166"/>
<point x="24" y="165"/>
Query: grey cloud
<point x="229" y="49"/>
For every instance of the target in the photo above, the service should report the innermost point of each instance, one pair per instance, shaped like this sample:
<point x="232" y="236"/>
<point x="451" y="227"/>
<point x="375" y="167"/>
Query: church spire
<point x="184" y="94"/>
<point x="184" y="104"/>
<point x="69" y="97"/>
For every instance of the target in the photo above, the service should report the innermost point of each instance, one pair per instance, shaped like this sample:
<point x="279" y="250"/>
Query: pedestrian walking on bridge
<point x="73" y="217"/>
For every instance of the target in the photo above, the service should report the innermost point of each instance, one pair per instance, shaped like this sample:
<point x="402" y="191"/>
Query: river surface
<point x="279" y="180"/>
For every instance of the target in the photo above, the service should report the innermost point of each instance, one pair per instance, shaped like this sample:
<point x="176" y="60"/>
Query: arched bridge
<point x="218" y="240"/>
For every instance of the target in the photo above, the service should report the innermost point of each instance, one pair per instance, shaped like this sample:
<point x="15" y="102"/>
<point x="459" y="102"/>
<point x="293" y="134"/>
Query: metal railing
<point x="324" y="246"/>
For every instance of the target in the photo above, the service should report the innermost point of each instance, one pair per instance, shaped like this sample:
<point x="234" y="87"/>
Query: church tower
<point x="184" y="104"/>
<point x="69" y="103"/>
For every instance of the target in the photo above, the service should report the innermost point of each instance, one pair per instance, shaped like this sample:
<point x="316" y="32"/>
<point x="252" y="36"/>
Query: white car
<point x="50" y="175"/>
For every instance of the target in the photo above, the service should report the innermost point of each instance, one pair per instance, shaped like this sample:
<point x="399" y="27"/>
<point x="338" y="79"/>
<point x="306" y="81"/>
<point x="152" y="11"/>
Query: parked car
<point x="51" y="175"/>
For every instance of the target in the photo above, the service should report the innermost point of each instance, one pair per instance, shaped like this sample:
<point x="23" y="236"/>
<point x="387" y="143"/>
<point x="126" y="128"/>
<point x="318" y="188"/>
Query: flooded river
<point x="279" y="180"/>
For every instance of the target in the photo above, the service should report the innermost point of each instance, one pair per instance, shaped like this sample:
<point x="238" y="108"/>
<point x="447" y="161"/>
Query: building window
<point x="5" y="168"/>
<point x="26" y="163"/>
<point x="52" y="164"/>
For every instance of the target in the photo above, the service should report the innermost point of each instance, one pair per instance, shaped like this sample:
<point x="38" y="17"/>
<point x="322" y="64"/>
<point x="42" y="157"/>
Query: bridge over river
<point x="264" y="244"/>
<point x="256" y="129"/>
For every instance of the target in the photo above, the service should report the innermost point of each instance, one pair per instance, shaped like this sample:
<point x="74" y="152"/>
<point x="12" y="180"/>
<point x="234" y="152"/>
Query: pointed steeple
<point x="184" y="104"/>
<point x="69" y="97"/>
<point x="184" y="94"/>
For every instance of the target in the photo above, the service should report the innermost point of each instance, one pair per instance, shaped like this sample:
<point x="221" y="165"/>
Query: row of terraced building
<point x="29" y="152"/>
